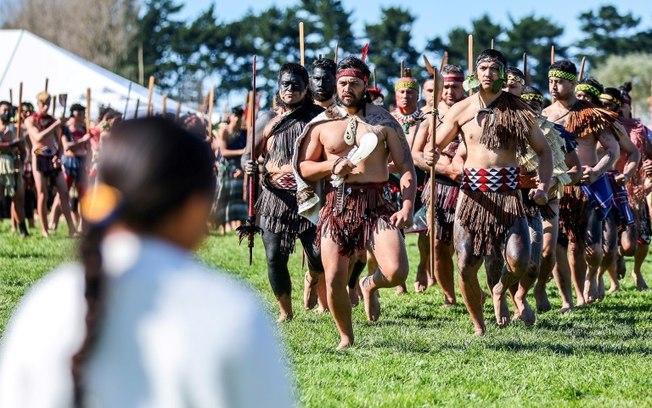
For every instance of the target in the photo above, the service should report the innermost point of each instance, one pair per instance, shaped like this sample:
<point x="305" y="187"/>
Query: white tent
<point x="27" y="58"/>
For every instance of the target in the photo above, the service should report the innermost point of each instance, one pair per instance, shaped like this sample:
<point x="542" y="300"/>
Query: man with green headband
<point x="490" y="220"/>
<point x="580" y="222"/>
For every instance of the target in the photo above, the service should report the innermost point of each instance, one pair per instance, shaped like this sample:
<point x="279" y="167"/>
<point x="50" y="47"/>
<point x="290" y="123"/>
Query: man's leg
<point x="277" y="272"/>
<point x="18" y="205"/>
<point x="444" y="270"/>
<point x="610" y="249"/>
<point x="388" y="247"/>
<point x="356" y="266"/>
<point x="520" y="290"/>
<point x="315" y="267"/>
<point x="548" y="260"/>
<point x="468" y="265"/>
<point x="336" y="273"/>
<point x="41" y="184"/>
<point x="594" y="253"/>
<point x="62" y="189"/>
<point x="639" y="257"/>
<point x="421" y="280"/>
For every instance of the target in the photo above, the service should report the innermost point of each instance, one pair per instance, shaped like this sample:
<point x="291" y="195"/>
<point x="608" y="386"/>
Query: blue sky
<point x="439" y="17"/>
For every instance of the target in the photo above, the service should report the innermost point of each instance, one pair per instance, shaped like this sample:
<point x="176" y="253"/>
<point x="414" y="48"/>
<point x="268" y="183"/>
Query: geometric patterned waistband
<point x="491" y="179"/>
<point x="281" y="181"/>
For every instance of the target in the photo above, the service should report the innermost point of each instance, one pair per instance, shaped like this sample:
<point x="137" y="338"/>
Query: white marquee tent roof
<point x="27" y="58"/>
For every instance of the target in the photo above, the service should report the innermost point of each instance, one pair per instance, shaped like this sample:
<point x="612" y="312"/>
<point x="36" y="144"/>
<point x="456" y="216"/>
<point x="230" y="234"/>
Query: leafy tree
<point x="610" y="33"/>
<point x="456" y="43"/>
<point x="389" y="44"/>
<point x="534" y="36"/>
<point x="635" y="68"/>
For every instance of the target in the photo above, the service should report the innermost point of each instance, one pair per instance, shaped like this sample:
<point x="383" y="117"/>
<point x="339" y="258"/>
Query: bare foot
<point x="501" y="309"/>
<point x="525" y="311"/>
<point x="614" y="288"/>
<point x="353" y="296"/>
<point x="309" y="291"/>
<point x="639" y="281"/>
<point x="371" y="302"/>
<point x="479" y="331"/>
<point x="449" y="303"/>
<point x="541" y="300"/>
<point x="283" y="318"/>
<point x="401" y="289"/>
<point x="566" y="308"/>
<point x="45" y="234"/>
<point x="432" y="281"/>
<point x="344" y="344"/>
<point x="420" y="287"/>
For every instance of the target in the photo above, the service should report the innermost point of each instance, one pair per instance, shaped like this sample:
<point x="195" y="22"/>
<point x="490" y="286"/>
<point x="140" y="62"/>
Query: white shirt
<point x="173" y="334"/>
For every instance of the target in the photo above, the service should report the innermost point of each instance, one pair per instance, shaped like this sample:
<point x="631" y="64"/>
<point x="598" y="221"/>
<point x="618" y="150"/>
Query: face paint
<point x="292" y="88"/>
<point x="323" y="84"/>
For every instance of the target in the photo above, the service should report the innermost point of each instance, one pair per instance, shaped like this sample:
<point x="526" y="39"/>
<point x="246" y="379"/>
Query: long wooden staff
<point x="11" y="97"/>
<point x="47" y="83"/>
<point x="249" y="229"/>
<point x="470" y="58"/>
<point x="88" y="110"/>
<point x="552" y="54"/>
<point x="337" y="47"/>
<point x="211" y="96"/>
<point x="302" y="45"/>
<point x="127" y="101"/>
<point x="433" y="144"/>
<point x="178" y="112"/>
<point x="444" y="61"/>
<point x="492" y="44"/>
<point x="54" y="105"/>
<point x="165" y="106"/>
<point x="525" y="68"/>
<point x="19" y="120"/>
<point x="137" y="107"/>
<point x="149" y="96"/>
<point x="63" y="101"/>
<point x="581" y="74"/>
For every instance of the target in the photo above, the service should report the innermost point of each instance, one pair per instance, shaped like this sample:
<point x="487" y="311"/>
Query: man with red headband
<point x="357" y="213"/>
<point x="448" y="173"/>
<point x="580" y="223"/>
<point x="490" y="217"/>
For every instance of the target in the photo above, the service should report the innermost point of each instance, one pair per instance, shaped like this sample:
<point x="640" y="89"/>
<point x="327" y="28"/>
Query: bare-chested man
<point x="358" y="214"/>
<point x="490" y="215"/>
<point x="277" y="203"/>
<point x="44" y="133"/>
<point x="566" y="170"/>
<point x="579" y="222"/>
<point x="12" y="153"/>
<point x="447" y="177"/>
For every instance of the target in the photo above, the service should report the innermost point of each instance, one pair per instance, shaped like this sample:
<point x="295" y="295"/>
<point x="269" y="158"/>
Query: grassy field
<point x="420" y="354"/>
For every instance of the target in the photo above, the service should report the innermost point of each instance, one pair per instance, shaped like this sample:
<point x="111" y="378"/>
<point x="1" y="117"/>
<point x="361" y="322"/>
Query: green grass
<point x="420" y="354"/>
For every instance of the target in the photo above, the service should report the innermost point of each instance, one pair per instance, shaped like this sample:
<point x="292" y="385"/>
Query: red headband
<point x="453" y="78"/>
<point x="354" y="73"/>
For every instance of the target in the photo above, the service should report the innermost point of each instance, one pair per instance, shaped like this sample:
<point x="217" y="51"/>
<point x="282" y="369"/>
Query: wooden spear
<point x="302" y="45"/>
<point x="149" y="96"/>
<point x="552" y="54"/>
<point x="88" y="110"/>
<point x="470" y="58"/>
<point x="337" y="46"/>
<point x="11" y="97"/>
<point x="525" y="67"/>
<point x="581" y="73"/>
<point x="211" y="96"/>
<point x="47" y="82"/>
<point x="444" y="61"/>
<point x="433" y="145"/>
<point x="492" y="44"/>
<point x="165" y="106"/>
<point x="54" y="105"/>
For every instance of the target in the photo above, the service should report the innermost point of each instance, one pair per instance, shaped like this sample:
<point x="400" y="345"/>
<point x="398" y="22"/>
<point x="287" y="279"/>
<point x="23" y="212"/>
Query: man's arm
<point x="450" y="127"/>
<point x="540" y="146"/>
<point x="312" y="165"/>
<point x="34" y="132"/>
<point x="262" y="129"/>
<point x="399" y="151"/>
<point x="611" y="152"/>
<point x="633" y="158"/>
<point x="574" y="166"/>
<point x="419" y="145"/>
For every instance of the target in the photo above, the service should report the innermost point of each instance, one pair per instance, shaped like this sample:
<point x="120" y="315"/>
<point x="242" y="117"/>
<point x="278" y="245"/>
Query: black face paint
<point x="291" y="83"/>
<point x="323" y="84"/>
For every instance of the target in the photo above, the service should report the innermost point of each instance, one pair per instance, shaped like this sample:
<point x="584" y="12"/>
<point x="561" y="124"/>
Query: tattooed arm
<point x="399" y="151"/>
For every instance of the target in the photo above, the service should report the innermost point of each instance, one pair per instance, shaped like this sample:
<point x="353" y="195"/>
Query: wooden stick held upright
<point x="11" y="96"/>
<point x="54" y="106"/>
<point x="178" y="112"/>
<point x="444" y="61"/>
<point x="88" y="110"/>
<point x="137" y="107"/>
<point x="302" y="45"/>
<point x="149" y="96"/>
<point x="211" y="96"/>
<point x="165" y="106"/>
<point x="470" y="58"/>
<point x="552" y="54"/>
<point x="19" y="120"/>
<point x="433" y="147"/>
<point x="581" y="73"/>
<point x="47" y="83"/>
<point x="337" y="47"/>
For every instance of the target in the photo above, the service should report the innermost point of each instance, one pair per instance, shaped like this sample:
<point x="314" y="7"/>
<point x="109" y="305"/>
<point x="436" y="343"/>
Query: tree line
<point x="182" y="53"/>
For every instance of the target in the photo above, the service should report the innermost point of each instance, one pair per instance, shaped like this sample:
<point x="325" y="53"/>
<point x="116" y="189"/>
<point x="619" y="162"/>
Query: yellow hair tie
<point x="100" y="203"/>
